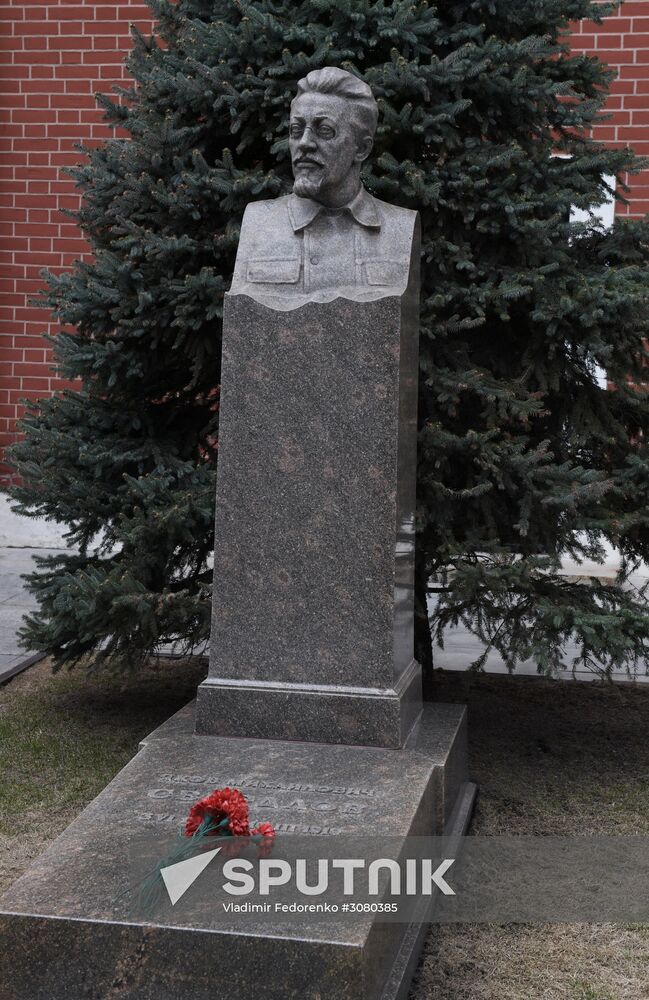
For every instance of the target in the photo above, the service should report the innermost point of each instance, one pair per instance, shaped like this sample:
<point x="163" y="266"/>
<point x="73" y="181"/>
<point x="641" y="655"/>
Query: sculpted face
<point x="328" y="145"/>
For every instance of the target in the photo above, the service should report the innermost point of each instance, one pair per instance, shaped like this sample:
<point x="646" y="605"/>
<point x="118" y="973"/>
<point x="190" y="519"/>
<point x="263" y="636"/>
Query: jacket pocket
<point x="386" y="272"/>
<point x="275" y="271"/>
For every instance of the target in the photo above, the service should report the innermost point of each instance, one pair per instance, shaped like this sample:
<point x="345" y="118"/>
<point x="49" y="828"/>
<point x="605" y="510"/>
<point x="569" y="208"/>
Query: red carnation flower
<point x="265" y="830"/>
<point x="222" y="804"/>
<point x="268" y="833"/>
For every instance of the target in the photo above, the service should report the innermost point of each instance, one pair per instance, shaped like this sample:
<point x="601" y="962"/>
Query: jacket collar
<point x="302" y="211"/>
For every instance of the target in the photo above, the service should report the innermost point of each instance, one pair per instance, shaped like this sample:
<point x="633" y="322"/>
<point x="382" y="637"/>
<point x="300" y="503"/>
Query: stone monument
<point x="312" y="705"/>
<point x="312" y="632"/>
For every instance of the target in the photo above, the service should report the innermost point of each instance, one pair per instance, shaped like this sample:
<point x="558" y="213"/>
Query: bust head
<point x="331" y="132"/>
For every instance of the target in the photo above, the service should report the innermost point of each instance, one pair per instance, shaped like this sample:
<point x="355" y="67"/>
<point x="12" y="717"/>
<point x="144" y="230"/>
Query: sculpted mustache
<point x="307" y="160"/>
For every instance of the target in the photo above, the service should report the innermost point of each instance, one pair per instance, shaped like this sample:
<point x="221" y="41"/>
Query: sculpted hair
<point x="339" y="82"/>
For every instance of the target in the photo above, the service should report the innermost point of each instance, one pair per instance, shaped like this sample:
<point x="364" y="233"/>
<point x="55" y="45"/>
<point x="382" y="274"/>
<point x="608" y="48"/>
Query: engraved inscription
<point x="288" y="805"/>
<point x="178" y="819"/>
<point x="215" y="782"/>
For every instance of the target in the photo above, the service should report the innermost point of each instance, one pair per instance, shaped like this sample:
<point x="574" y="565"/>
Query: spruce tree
<point x="523" y="457"/>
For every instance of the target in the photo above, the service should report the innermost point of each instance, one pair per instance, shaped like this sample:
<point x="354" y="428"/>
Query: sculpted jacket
<point x="293" y="246"/>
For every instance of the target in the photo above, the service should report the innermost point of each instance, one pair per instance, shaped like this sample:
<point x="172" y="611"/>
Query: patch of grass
<point x="64" y="736"/>
<point x="584" y="991"/>
<point x="551" y="758"/>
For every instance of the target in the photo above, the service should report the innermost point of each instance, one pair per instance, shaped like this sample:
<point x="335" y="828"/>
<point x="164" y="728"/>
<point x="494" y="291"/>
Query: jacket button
<point x="315" y="259"/>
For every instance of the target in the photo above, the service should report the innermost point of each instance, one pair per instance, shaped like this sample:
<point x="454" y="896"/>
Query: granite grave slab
<point x="71" y="909"/>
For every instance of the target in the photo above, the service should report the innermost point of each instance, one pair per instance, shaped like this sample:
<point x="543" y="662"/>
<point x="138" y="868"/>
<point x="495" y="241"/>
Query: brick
<point x="12" y="215"/>
<point x="638" y="71"/>
<point x="622" y="86"/>
<point x="618" y="118"/>
<point x="616" y="57"/>
<point x="639" y="101"/>
<point x="29" y="312"/>
<point x="29" y="342"/>
<point x="32" y="145"/>
<point x="43" y="86"/>
<point x="8" y="131"/>
<point x="108" y="42"/>
<point x="70" y="131"/>
<point x="69" y="230"/>
<point x="33" y="172"/>
<point x="39" y="244"/>
<point x="37" y="100"/>
<point x="73" y="101"/>
<point x="73" y="70"/>
<point x="106" y="13"/>
<point x="70" y="42"/>
<point x="99" y="28"/>
<point x="616" y="23"/>
<point x="41" y="72"/>
<point x="35" y="131"/>
<point x="29" y="115"/>
<point x="72" y="245"/>
<point x="640" y="207"/>
<point x="11" y="101"/>
<point x="78" y="12"/>
<point x="634" y="8"/>
<point x="44" y="28"/>
<point x="66" y="159"/>
<point x="35" y="43"/>
<point x="34" y="55"/>
<point x="613" y="103"/>
<point x="78" y="87"/>
<point x="38" y="230"/>
<point x="40" y="385"/>
<point x="9" y="85"/>
<point x="102" y="58"/>
<point x="633" y="134"/>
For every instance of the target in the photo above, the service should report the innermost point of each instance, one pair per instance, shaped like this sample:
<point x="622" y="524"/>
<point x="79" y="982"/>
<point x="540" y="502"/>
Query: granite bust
<point x="330" y="237"/>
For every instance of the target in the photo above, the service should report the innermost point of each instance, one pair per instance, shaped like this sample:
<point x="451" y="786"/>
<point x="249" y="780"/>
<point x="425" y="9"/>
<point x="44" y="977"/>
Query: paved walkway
<point x="15" y="601"/>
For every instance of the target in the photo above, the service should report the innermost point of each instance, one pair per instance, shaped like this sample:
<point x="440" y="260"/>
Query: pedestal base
<point x="67" y="929"/>
<point x="316" y="713"/>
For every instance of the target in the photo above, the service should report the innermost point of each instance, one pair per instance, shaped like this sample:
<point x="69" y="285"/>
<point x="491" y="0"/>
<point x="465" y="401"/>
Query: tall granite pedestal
<point x="312" y="632"/>
<point x="312" y="706"/>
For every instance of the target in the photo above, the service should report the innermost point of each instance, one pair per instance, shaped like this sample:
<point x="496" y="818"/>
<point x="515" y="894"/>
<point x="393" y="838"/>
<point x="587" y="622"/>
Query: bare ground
<point x="64" y="736"/>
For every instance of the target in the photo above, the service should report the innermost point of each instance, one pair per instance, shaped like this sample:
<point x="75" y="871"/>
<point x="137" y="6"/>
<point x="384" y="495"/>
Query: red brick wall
<point x="623" y="42"/>
<point x="55" y="55"/>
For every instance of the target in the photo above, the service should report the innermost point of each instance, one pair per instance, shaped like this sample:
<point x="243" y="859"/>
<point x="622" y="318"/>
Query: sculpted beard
<point x="308" y="183"/>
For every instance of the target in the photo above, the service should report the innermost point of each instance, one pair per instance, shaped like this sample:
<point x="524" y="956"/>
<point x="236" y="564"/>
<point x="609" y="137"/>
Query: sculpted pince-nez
<point x="330" y="236"/>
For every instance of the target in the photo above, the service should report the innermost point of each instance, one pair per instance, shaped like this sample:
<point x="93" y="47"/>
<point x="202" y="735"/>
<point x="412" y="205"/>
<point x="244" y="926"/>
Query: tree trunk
<point x="423" y="640"/>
